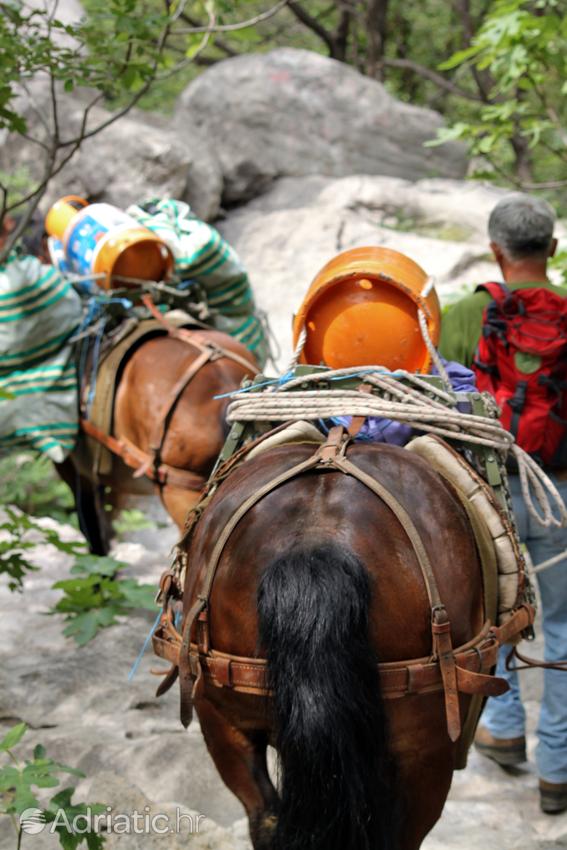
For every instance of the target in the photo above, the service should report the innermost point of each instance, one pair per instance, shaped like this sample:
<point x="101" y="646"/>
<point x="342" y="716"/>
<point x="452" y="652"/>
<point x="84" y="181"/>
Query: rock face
<point x="288" y="234"/>
<point x="292" y="112"/>
<point x="135" y="158"/>
<point x="238" y="127"/>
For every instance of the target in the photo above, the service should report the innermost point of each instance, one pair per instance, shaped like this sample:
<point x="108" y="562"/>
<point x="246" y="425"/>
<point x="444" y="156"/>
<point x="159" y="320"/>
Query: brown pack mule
<point x="311" y="575"/>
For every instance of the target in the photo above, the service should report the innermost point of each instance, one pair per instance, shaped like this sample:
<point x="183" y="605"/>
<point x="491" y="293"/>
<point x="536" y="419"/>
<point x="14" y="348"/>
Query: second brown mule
<point x="168" y="426"/>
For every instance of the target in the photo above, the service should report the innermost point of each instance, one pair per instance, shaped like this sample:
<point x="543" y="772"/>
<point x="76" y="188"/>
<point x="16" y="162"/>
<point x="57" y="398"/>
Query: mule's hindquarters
<point x="337" y="783"/>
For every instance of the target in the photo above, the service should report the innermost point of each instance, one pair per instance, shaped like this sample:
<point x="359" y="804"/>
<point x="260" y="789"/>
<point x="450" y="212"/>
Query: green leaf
<point x="459" y="57"/>
<point x="83" y="627"/>
<point x="96" y="565"/>
<point x="10" y="776"/>
<point x="13" y="737"/>
<point x="139" y="595"/>
<point x="24" y="799"/>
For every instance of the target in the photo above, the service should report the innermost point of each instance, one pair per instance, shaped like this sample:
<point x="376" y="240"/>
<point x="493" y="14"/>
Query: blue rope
<point x="94" y="369"/>
<point x="289" y="376"/>
<point x="95" y="309"/>
<point x="283" y="379"/>
<point x="138" y="660"/>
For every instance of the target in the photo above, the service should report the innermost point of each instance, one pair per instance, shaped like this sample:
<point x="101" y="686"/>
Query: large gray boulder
<point x="136" y="158"/>
<point x="293" y="112"/>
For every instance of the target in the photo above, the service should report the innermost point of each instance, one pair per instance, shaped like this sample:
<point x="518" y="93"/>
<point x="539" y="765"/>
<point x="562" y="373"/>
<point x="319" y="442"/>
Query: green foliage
<point x="559" y="263"/>
<point x="31" y="484"/>
<point x="21" y="786"/>
<point x="521" y="48"/>
<point x="96" y="596"/>
<point x="15" y="543"/>
<point x="113" y="52"/>
<point x="17" y="183"/>
<point x="131" y="520"/>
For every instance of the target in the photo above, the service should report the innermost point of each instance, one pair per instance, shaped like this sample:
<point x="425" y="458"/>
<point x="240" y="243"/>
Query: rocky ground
<point x="135" y="754"/>
<point x="79" y="702"/>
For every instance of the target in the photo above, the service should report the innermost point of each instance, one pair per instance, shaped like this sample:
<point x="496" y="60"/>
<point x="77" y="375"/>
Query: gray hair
<point x="522" y="226"/>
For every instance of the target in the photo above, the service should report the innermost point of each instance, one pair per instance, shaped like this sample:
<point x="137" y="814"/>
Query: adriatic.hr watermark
<point x="145" y="822"/>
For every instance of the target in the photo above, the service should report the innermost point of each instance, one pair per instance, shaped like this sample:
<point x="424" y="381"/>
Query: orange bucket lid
<point x="361" y="310"/>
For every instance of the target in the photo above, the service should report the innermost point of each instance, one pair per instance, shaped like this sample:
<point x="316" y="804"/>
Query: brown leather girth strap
<point x="208" y="352"/>
<point x="159" y="433"/>
<point x="136" y="458"/>
<point x="440" y="624"/>
<point x="199" y="607"/>
<point x="397" y="678"/>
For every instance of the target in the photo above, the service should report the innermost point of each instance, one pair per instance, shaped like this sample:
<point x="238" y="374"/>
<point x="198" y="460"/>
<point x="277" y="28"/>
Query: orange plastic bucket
<point x="101" y="239"/>
<point x="361" y="310"/>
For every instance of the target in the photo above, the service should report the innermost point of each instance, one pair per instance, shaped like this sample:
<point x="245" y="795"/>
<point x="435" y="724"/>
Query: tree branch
<point x="433" y="76"/>
<point x="313" y="24"/>
<point x="481" y="78"/>
<point x="219" y="42"/>
<point x="251" y="22"/>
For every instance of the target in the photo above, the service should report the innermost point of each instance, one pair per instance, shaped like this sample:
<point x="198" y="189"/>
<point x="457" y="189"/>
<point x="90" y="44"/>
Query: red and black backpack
<point x="522" y="360"/>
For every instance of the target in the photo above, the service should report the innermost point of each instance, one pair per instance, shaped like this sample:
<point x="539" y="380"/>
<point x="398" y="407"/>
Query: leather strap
<point x="200" y="605"/>
<point x="397" y="679"/>
<point x="405" y="521"/>
<point x="453" y="671"/>
<point x="149" y="464"/>
<point x="357" y="422"/>
<point x="208" y="352"/>
<point x="159" y="433"/>
<point x="138" y="460"/>
<point x="528" y="662"/>
<point x="440" y="624"/>
<point x="192" y="338"/>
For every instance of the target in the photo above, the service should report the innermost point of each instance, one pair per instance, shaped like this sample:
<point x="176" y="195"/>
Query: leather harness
<point x="453" y="671"/>
<point x="150" y="463"/>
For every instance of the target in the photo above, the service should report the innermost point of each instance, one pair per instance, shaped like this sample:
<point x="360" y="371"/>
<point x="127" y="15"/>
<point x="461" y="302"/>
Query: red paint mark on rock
<point x="280" y="76"/>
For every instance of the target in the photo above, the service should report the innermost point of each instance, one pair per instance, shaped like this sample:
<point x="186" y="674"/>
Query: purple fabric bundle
<point x="394" y="433"/>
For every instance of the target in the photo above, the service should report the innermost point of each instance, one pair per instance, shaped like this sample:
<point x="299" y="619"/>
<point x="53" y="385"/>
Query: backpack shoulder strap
<point x="498" y="291"/>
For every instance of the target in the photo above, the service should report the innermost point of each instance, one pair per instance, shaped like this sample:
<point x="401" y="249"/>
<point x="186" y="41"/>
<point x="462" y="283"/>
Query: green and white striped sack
<point x="39" y="312"/>
<point x="201" y="254"/>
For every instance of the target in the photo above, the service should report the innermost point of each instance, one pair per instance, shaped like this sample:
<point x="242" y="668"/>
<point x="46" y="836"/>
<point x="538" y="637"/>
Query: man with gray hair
<point x="487" y="331"/>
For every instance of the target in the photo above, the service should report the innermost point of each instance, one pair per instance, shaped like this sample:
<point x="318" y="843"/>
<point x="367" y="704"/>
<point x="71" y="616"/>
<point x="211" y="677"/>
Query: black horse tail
<point x="336" y="776"/>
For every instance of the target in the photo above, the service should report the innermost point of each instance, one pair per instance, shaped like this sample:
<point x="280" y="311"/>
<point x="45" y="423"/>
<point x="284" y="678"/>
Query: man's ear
<point x="552" y="248"/>
<point x="497" y="251"/>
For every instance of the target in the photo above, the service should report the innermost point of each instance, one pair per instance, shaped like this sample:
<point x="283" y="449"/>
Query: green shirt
<point x="462" y="325"/>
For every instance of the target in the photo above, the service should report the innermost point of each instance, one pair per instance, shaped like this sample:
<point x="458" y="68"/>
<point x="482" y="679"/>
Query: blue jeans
<point x="504" y="716"/>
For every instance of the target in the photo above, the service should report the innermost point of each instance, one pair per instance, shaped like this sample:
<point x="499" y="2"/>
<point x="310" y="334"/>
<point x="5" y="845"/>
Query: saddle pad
<point x="298" y="432"/>
<point x="485" y="516"/>
<point x="101" y="412"/>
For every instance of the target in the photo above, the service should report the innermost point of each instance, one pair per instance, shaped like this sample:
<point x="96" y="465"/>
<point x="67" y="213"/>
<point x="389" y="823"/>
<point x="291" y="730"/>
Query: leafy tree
<point x="115" y="54"/>
<point x="521" y="49"/>
<point x="15" y="543"/>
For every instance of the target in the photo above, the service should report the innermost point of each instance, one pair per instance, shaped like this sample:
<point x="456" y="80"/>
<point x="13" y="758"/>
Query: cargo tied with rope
<point x="465" y="444"/>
